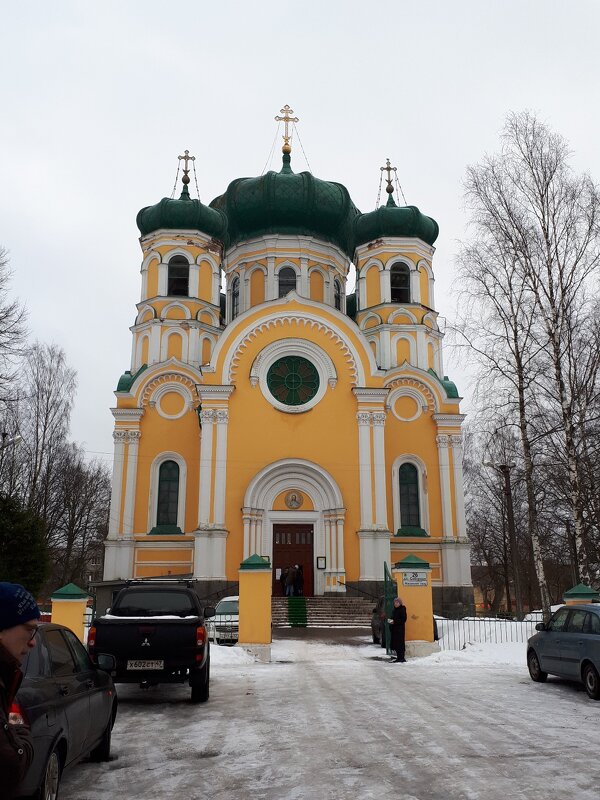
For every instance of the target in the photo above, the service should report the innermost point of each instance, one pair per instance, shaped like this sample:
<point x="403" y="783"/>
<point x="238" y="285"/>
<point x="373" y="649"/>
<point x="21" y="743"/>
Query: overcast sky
<point x="98" y="99"/>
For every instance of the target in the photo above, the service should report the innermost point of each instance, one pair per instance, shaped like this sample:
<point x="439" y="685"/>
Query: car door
<point x="548" y="645"/>
<point x="100" y="698"/>
<point x="572" y="643"/>
<point x="71" y="693"/>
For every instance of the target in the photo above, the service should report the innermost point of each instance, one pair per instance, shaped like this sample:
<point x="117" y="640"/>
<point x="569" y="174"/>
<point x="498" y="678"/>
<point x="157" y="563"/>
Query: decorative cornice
<point x="449" y="420"/>
<point x="222" y="392"/>
<point x="363" y="417"/>
<point x="379" y="418"/>
<point x="442" y="441"/>
<point x="373" y="396"/>
<point x="166" y="378"/>
<point x="456" y="440"/>
<point x="127" y="414"/>
<point x="416" y="385"/>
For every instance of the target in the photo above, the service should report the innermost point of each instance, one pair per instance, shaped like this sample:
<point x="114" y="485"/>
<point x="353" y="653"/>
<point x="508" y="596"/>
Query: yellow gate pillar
<point x="255" y="606"/>
<point x="68" y="608"/>
<point x="413" y="580"/>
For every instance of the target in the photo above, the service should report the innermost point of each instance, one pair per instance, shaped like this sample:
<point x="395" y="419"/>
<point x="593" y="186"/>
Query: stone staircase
<point x="343" y="612"/>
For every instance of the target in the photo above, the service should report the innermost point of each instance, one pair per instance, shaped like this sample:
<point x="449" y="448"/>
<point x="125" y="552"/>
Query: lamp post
<point x="504" y="470"/>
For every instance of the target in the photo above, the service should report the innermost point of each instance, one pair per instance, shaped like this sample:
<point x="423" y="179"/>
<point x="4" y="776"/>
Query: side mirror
<point x="541" y="626"/>
<point x="374" y="610"/>
<point x="106" y="662"/>
<point x="107" y="611"/>
<point x="209" y="611"/>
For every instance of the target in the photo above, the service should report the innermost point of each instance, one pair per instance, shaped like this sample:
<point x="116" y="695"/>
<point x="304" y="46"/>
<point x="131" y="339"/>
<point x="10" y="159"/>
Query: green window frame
<point x="410" y="512"/>
<point x="293" y="380"/>
<point x="168" y="493"/>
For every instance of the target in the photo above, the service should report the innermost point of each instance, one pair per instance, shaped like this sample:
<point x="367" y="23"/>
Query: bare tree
<point x="12" y="329"/>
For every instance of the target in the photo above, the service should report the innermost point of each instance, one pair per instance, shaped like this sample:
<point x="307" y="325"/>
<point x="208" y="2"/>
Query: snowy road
<point x="336" y="721"/>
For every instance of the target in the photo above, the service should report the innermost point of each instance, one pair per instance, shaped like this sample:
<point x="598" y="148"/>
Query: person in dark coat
<point x="299" y="585"/>
<point x="398" y="624"/>
<point x="290" y="581"/>
<point x="19" y="617"/>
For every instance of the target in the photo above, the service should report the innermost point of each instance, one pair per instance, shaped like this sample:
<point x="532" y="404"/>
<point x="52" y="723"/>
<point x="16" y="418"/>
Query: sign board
<point x="414" y="579"/>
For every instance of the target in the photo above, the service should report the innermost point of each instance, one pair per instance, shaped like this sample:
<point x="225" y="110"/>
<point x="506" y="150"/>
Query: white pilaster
<point x="114" y="522"/>
<point x="271" y="282"/>
<point x="364" y="467"/>
<point x="459" y="498"/>
<point x="154" y="348"/>
<point x="247" y="520"/>
<point x="163" y="279"/>
<point x="415" y="286"/>
<point x="207" y="417"/>
<point x="222" y="419"/>
<point x="443" y="443"/>
<point x="422" y="361"/>
<point x="194" y="281"/>
<point x="304" y="280"/>
<point x="340" y="543"/>
<point x="385" y="285"/>
<point x="381" y="520"/>
<point x="133" y="438"/>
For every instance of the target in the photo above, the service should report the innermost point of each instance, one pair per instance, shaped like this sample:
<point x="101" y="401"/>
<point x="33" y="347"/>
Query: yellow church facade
<point x="267" y="412"/>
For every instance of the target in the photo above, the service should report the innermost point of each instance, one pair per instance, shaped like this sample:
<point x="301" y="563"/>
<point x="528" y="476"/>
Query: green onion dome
<point x="182" y="214"/>
<point x="391" y="220"/>
<point x="288" y="203"/>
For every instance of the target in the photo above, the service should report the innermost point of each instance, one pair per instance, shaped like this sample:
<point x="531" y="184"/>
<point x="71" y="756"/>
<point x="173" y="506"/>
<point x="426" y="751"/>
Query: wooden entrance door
<point x="293" y="544"/>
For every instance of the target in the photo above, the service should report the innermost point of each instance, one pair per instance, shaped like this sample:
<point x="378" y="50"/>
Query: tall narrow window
<point x="400" y="282"/>
<point x="168" y="493"/>
<point x="409" y="496"/>
<point x="337" y="295"/>
<point x="287" y="281"/>
<point x="235" y="298"/>
<point x="179" y="277"/>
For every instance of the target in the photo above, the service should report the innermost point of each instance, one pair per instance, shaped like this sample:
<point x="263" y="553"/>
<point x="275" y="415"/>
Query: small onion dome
<point x="391" y="220"/>
<point x="286" y="202"/>
<point x="182" y="214"/>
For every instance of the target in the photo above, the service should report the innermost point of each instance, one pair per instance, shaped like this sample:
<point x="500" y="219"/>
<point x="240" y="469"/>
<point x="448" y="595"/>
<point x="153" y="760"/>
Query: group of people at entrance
<point x="292" y="581"/>
<point x="397" y="628"/>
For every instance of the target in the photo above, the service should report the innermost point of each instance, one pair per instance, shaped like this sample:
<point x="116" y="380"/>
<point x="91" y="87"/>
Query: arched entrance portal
<point x="264" y="518"/>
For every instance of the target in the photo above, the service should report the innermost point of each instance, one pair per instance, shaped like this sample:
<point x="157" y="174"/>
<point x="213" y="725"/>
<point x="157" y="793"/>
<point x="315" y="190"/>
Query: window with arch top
<point x="168" y="493"/>
<point x="410" y="515"/>
<point x="179" y="277"/>
<point x="400" y="283"/>
<point x="235" y="298"/>
<point x="337" y="295"/>
<point x="287" y="281"/>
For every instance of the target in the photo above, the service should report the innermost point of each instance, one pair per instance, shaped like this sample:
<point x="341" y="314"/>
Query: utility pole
<point x="504" y="470"/>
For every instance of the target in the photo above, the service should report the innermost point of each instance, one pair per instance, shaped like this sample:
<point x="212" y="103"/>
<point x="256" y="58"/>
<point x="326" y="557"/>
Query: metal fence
<point x="456" y="634"/>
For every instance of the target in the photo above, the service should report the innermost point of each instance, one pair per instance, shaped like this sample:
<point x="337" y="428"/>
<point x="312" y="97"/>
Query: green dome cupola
<point x="392" y="220"/>
<point x="182" y="214"/>
<point x="286" y="202"/>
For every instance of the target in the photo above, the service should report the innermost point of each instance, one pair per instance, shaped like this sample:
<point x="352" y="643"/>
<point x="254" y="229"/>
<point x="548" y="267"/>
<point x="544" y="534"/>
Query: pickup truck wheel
<point x="200" y="685"/>
<point x="102" y="750"/>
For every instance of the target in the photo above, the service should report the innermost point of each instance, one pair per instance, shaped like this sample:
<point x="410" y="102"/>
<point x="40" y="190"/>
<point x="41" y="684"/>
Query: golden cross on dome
<point x="389" y="169"/>
<point x="286" y="119"/>
<point x="186" y="157"/>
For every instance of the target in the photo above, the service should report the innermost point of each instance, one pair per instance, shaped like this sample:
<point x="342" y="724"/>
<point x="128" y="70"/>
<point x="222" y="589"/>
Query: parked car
<point x="568" y="645"/>
<point x="223" y="628"/>
<point x="70" y="705"/>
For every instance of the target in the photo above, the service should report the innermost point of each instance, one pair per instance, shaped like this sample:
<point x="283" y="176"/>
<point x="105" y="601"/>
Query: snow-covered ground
<point x="327" y="720"/>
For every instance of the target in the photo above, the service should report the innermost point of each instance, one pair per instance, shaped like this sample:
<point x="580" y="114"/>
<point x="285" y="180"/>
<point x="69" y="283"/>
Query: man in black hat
<point x="19" y="617"/>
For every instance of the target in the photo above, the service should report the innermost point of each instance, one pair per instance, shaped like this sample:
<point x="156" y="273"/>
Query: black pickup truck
<point x="156" y="633"/>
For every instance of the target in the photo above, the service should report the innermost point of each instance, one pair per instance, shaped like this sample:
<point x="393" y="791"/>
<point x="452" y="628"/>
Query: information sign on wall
<point x="414" y="579"/>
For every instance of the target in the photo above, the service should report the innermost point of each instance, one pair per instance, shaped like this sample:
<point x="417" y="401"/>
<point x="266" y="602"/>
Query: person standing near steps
<point x="398" y="625"/>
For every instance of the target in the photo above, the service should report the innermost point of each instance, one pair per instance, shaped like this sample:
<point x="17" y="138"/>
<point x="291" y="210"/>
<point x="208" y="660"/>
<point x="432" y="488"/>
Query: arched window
<point x="235" y="298"/>
<point x="410" y="515"/>
<point x="337" y="295"/>
<point x="400" y="282"/>
<point x="287" y="281"/>
<point x="179" y="277"/>
<point x="168" y="493"/>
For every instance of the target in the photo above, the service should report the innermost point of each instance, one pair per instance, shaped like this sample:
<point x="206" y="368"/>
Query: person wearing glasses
<point x="19" y="617"/>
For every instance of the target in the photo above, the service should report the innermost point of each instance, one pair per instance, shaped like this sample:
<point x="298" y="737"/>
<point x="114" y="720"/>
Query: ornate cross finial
<point x="186" y="157"/>
<point x="286" y="118"/>
<point x="389" y="169"/>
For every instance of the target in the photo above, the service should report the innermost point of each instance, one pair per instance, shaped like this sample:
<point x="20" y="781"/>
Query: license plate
<point x="145" y="665"/>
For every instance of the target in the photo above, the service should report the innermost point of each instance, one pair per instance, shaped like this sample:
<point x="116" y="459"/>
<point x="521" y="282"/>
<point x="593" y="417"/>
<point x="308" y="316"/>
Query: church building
<point x="267" y="411"/>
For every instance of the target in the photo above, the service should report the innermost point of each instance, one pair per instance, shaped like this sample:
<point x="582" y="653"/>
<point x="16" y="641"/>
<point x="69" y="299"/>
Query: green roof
<point x="449" y="386"/>
<point x="392" y="220"/>
<point x="256" y="562"/>
<point x="70" y="592"/>
<point x="126" y="380"/>
<point x="412" y="561"/>
<point x="182" y="214"/>
<point x="285" y="202"/>
<point x="582" y="592"/>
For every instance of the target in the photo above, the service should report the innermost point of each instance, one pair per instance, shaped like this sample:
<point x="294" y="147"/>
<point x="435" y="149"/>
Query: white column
<point x="206" y="446"/>
<point x="194" y="283"/>
<point x="119" y="438"/>
<point x="154" y="348"/>
<point x="422" y="350"/>
<point x="271" y="282"/>
<point x="459" y="497"/>
<point x="163" y="279"/>
<point x="244" y="290"/>
<point x="133" y="437"/>
<point x="443" y="442"/>
<point x="364" y="466"/>
<point x="385" y="349"/>
<point x="247" y="520"/>
<point x="340" y="543"/>
<point x="361" y="290"/>
<point x="304" y="288"/>
<point x="216" y="287"/>
<point x="385" y="285"/>
<point x="222" y="418"/>
<point x="415" y="286"/>
<point x="381" y="520"/>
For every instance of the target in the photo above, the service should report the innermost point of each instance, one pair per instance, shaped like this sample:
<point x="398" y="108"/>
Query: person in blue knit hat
<point x="19" y="616"/>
